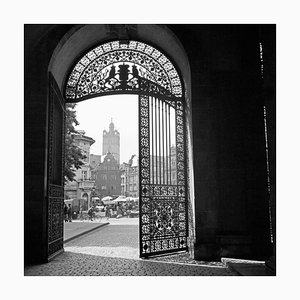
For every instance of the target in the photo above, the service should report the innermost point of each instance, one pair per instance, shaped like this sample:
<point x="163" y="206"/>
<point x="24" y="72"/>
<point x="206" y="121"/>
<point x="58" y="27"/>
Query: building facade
<point x="95" y="161"/>
<point x="81" y="187"/>
<point x="108" y="177"/>
<point x="130" y="178"/>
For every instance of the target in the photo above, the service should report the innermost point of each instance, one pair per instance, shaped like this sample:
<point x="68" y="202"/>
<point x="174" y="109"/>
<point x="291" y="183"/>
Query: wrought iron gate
<point x="134" y="67"/>
<point x="55" y="182"/>
<point x="163" y="199"/>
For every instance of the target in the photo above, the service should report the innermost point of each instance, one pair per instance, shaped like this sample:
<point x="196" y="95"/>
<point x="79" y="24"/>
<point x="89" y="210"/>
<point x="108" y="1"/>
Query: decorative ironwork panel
<point x="55" y="191"/>
<point x="163" y="198"/>
<point x="55" y="218"/>
<point x="123" y="66"/>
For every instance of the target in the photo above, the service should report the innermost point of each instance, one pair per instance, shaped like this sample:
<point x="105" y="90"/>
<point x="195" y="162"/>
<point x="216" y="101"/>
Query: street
<point x="112" y="250"/>
<point x="118" y="239"/>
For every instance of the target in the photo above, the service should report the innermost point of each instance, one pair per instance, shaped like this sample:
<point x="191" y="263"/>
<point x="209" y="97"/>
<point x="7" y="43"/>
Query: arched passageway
<point x="125" y="66"/>
<point x="129" y="66"/>
<point x="230" y="191"/>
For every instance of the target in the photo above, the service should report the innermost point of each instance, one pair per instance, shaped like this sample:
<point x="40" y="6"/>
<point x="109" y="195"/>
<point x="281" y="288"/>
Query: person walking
<point x="66" y="212"/>
<point x="107" y="212"/>
<point x="90" y="213"/>
<point x="70" y="213"/>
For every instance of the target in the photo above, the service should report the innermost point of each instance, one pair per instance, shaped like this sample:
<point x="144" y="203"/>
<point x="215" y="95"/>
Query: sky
<point x="94" y="115"/>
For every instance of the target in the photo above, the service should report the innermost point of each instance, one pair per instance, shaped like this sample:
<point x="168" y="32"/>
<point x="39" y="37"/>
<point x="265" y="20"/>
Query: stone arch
<point x="85" y="37"/>
<point x="77" y="44"/>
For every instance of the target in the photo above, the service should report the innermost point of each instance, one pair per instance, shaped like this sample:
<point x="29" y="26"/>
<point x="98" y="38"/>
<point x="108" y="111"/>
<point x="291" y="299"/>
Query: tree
<point x="73" y="154"/>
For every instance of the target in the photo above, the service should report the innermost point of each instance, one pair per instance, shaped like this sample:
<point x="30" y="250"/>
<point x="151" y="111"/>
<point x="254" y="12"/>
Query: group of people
<point x="121" y="210"/>
<point x="125" y="209"/>
<point x="68" y="213"/>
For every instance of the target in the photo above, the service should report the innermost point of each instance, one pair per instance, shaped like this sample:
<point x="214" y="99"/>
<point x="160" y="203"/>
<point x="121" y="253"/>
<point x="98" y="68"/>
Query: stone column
<point x="230" y="165"/>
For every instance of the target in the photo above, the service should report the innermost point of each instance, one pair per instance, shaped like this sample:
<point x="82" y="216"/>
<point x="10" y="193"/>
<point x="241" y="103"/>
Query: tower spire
<point x="111" y="125"/>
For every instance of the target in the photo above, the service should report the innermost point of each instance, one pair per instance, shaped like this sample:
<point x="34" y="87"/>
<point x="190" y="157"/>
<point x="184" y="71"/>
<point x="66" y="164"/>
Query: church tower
<point x="111" y="142"/>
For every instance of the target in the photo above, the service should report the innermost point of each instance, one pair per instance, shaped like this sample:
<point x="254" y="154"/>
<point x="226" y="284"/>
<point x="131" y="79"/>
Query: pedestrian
<point x="90" y="213"/>
<point x="107" y="212"/>
<point x="70" y="213"/>
<point x="66" y="212"/>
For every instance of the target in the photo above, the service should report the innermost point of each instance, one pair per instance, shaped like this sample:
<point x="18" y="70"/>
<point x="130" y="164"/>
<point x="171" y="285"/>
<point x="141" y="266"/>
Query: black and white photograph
<point x="155" y="149"/>
<point x="149" y="152"/>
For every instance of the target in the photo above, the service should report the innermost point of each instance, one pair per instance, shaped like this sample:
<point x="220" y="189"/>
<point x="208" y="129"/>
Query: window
<point x="103" y="187"/>
<point x="104" y="177"/>
<point x="84" y="175"/>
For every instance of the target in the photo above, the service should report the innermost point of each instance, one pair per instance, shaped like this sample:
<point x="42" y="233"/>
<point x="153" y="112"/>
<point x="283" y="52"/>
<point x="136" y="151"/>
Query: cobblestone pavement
<point x="113" y="250"/>
<point x="78" y="264"/>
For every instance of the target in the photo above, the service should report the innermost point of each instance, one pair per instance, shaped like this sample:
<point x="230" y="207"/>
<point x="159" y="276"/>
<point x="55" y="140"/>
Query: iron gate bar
<point x="185" y="169"/>
<point x="156" y="156"/>
<point x="140" y="174"/>
<point x="159" y="143"/>
<point x="170" y="146"/>
<point x="152" y="133"/>
<point x="163" y="141"/>
<point x="166" y="120"/>
<point x="171" y="99"/>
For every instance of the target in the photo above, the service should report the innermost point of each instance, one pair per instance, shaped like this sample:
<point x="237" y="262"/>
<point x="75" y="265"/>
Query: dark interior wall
<point x="231" y="200"/>
<point x="40" y="42"/>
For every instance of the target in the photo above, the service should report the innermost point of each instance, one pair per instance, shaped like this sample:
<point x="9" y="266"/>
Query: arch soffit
<point x="82" y="38"/>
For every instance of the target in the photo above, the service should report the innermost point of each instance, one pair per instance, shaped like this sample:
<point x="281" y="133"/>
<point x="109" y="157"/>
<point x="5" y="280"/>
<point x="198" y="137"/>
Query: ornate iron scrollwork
<point x="117" y="67"/>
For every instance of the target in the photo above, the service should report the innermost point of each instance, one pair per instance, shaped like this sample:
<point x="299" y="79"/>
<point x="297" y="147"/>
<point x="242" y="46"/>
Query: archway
<point x="131" y="66"/>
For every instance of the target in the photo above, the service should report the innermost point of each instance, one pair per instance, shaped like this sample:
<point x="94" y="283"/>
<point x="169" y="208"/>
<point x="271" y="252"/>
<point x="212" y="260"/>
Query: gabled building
<point x="108" y="177"/>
